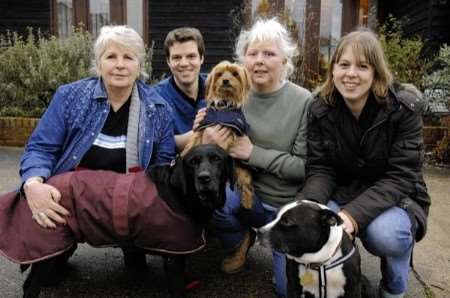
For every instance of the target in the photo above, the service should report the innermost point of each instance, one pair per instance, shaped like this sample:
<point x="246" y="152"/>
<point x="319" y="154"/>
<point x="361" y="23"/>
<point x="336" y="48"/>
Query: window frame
<point x="80" y="14"/>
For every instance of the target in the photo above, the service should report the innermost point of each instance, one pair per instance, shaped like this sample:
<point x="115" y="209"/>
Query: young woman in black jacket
<point x="365" y="154"/>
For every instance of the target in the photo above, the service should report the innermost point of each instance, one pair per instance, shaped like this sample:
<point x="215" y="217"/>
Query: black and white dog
<point x="322" y="261"/>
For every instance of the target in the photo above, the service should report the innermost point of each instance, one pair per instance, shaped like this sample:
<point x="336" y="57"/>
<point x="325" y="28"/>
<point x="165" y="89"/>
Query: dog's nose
<point x="204" y="177"/>
<point x="225" y="82"/>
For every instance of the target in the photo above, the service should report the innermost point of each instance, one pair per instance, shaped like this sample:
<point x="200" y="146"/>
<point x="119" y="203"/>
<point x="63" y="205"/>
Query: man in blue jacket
<point x="184" y="90"/>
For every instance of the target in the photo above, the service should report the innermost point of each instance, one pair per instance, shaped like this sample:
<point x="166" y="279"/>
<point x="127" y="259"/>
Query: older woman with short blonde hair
<point x="275" y="148"/>
<point x="112" y="121"/>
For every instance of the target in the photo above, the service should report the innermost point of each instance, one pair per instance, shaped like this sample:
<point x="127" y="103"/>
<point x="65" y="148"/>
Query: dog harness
<point x="322" y="268"/>
<point x="221" y="113"/>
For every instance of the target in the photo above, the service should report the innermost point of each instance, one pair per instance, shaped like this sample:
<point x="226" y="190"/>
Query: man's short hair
<point x="184" y="34"/>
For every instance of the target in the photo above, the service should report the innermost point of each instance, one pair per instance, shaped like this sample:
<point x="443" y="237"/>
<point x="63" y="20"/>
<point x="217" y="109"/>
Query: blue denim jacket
<point x="76" y="116"/>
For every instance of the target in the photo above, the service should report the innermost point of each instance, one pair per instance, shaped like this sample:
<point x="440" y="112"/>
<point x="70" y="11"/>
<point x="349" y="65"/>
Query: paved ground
<point x="99" y="272"/>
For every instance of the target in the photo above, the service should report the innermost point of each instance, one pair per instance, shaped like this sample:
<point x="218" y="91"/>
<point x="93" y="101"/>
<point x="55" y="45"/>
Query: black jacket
<point x="386" y="169"/>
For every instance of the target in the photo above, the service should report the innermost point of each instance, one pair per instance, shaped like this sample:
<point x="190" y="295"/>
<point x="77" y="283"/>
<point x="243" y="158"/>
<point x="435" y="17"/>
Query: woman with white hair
<point x="112" y="121"/>
<point x="275" y="147"/>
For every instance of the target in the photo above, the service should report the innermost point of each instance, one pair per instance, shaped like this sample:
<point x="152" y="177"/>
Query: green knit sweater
<point x="278" y="132"/>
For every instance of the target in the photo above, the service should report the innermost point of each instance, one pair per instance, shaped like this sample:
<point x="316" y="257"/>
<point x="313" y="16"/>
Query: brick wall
<point x="16" y="131"/>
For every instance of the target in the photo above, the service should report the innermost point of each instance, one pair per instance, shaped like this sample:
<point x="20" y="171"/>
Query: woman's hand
<point x="216" y="134"/>
<point x="43" y="200"/>
<point x="348" y="224"/>
<point x="242" y="148"/>
<point x="199" y="118"/>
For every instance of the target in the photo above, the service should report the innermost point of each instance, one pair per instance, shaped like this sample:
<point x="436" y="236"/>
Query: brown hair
<point x="184" y="34"/>
<point x="362" y="42"/>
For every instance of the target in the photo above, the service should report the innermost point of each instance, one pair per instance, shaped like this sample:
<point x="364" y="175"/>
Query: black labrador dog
<point x="194" y="186"/>
<point x="198" y="188"/>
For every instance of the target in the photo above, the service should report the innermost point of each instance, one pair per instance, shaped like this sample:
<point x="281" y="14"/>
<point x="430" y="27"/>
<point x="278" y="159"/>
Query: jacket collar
<point x="146" y="93"/>
<point x="392" y="104"/>
<point x="100" y="90"/>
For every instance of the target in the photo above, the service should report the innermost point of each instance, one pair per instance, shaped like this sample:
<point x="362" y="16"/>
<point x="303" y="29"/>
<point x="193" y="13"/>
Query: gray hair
<point x="268" y="30"/>
<point x="122" y="36"/>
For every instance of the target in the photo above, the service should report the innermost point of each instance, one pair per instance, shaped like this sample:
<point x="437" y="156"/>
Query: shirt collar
<point x="200" y="94"/>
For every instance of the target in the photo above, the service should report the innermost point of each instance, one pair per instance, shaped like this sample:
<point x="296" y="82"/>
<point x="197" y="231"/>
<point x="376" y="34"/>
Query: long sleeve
<point x="44" y="147"/>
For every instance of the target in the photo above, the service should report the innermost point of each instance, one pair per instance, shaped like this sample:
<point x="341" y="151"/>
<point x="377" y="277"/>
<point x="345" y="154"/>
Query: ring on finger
<point x="38" y="215"/>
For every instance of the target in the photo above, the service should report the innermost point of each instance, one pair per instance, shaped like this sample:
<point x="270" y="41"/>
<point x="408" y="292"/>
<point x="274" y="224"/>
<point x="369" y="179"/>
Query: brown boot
<point x="235" y="262"/>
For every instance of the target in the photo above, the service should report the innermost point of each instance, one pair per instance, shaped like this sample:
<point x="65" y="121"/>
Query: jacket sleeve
<point x="320" y="175"/>
<point x="165" y="143"/>
<point x="404" y="164"/>
<point x="285" y="164"/>
<point x="44" y="147"/>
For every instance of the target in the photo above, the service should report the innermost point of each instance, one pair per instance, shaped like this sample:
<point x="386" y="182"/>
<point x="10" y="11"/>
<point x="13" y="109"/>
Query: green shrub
<point x="440" y="78"/>
<point x="403" y="54"/>
<point x="33" y="68"/>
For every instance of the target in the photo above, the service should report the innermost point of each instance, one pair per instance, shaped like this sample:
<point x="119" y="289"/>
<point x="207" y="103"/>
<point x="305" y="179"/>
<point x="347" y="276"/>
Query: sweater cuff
<point x="258" y="158"/>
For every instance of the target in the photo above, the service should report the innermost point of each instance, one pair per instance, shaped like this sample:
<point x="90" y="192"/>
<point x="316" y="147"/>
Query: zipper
<point x="371" y="128"/>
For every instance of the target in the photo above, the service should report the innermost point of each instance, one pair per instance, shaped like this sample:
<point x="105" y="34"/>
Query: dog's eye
<point x="286" y="222"/>
<point x="235" y="73"/>
<point x="194" y="161"/>
<point x="215" y="158"/>
<point x="218" y="74"/>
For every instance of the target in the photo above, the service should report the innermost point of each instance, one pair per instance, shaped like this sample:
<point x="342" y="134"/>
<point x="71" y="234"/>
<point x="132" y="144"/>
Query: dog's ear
<point x="229" y="171"/>
<point x="159" y="174"/>
<point x="330" y="218"/>
<point x="209" y="90"/>
<point x="246" y="83"/>
<point x="178" y="177"/>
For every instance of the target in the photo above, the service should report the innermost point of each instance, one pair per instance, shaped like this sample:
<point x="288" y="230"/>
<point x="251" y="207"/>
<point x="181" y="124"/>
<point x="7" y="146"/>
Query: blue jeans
<point x="389" y="237"/>
<point x="232" y="222"/>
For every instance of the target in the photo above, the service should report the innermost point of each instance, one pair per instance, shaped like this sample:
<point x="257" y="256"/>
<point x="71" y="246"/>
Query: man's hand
<point x="199" y="118"/>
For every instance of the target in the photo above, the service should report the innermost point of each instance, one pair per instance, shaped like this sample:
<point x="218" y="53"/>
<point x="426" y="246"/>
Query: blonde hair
<point x="363" y="42"/>
<point x="268" y="30"/>
<point x="122" y="36"/>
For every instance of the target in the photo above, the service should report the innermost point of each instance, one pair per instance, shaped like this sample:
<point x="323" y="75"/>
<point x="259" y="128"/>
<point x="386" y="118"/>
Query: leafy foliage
<point x="440" y="78"/>
<point x="33" y="68"/>
<point x="403" y="54"/>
